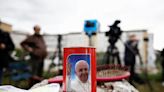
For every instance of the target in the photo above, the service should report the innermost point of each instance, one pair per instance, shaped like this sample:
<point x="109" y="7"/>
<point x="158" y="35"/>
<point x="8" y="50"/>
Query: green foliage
<point x="19" y="52"/>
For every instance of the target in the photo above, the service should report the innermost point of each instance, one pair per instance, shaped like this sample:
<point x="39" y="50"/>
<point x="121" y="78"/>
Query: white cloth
<point x="53" y="87"/>
<point x="122" y="86"/>
<point x="42" y="83"/>
<point x="10" y="88"/>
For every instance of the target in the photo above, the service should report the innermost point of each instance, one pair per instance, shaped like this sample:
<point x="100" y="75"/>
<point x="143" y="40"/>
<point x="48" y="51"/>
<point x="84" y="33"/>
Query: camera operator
<point x="131" y="51"/>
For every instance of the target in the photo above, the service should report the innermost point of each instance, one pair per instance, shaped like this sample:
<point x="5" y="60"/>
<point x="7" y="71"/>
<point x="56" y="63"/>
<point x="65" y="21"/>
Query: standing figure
<point x="131" y="51"/>
<point x="6" y="46"/>
<point x="36" y="47"/>
<point x="162" y="55"/>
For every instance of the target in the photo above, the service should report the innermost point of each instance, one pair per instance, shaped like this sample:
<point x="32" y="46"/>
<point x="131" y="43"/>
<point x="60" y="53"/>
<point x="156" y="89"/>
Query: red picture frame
<point x="78" y="56"/>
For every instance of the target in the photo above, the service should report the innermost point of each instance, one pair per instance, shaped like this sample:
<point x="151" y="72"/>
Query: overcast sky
<point x="65" y="16"/>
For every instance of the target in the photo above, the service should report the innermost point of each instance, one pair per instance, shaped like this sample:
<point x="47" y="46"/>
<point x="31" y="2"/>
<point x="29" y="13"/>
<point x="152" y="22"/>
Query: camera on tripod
<point x="112" y="52"/>
<point x="114" y="33"/>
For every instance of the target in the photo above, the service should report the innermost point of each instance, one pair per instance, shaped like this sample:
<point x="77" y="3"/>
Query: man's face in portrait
<point x="82" y="71"/>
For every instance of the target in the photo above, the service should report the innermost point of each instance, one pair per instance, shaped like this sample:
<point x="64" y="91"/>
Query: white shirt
<point x="78" y="86"/>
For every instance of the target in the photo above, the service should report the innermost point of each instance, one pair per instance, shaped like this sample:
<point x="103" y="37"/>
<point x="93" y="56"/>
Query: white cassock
<point x="78" y="86"/>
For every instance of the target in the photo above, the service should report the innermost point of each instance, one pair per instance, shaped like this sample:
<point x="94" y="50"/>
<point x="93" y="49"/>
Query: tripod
<point x="112" y="54"/>
<point x="57" y="57"/>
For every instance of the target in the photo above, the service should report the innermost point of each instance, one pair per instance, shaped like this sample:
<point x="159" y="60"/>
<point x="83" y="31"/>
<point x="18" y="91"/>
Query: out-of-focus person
<point x="6" y="47"/>
<point x="131" y="51"/>
<point x="36" y="47"/>
<point x="162" y="63"/>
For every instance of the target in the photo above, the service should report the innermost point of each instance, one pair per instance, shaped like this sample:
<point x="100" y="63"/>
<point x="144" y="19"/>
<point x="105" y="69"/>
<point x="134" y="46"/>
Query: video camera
<point x="114" y="33"/>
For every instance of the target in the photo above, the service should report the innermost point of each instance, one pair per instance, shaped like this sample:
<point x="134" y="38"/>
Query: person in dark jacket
<point x="36" y="47"/>
<point x="6" y="46"/>
<point x="131" y="51"/>
<point x="162" y="63"/>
